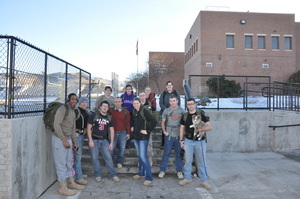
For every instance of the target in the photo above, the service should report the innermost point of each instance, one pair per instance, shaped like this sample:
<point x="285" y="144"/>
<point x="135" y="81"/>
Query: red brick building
<point x="242" y="43"/>
<point x="237" y="43"/>
<point x="165" y="66"/>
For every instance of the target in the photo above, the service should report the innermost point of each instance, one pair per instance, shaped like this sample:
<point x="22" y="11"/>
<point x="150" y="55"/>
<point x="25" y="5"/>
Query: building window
<point x="248" y="42"/>
<point x="229" y="41"/>
<point x="275" y="42"/>
<point x="261" y="42"/>
<point x="287" y="43"/>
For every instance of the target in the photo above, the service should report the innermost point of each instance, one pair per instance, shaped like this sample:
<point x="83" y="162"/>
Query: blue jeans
<point x="102" y="146"/>
<point x="144" y="165"/>
<point x="120" y="143"/>
<point x="77" y="157"/>
<point x="171" y="142"/>
<point x="199" y="148"/>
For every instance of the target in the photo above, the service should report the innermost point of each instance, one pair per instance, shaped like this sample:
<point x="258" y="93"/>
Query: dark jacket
<point x="139" y="124"/>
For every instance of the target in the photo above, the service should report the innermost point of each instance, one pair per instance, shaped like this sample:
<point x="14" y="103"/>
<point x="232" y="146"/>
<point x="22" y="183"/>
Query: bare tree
<point x="160" y="65"/>
<point x="138" y="78"/>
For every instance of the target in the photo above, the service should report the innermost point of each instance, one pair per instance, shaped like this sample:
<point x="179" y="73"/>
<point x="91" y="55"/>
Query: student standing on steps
<point x="143" y="123"/>
<point x="170" y="125"/>
<point x="127" y="99"/>
<point x="107" y="96"/>
<point x="82" y="116"/>
<point x="164" y="102"/>
<point x="100" y="125"/>
<point x="122" y="129"/>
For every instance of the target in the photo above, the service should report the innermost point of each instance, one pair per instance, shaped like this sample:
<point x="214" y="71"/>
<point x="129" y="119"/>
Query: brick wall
<point x="5" y="159"/>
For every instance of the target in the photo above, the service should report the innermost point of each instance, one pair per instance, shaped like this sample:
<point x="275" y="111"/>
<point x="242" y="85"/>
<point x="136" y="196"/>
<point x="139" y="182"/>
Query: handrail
<point x="274" y="127"/>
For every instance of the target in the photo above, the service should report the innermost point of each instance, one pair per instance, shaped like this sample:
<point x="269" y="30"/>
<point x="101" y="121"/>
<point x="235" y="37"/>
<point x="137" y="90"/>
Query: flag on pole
<point x="137" y="47"/>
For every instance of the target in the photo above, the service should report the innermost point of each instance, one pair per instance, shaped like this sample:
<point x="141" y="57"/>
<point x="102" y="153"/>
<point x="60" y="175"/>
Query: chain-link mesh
<point x="230" y="92"/>
<point x="32" y="78"/>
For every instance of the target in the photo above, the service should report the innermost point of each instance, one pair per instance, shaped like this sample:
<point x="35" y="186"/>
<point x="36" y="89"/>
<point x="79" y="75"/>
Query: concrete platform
<point x="259" y="175"/>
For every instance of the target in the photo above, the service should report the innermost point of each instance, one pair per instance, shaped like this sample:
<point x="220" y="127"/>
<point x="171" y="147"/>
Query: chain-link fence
<point x="30" y="78"/>
<point x="230" y="92"/>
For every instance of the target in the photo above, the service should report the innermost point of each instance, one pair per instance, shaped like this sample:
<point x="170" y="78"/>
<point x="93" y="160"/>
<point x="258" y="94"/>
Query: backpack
<point x="142" y="109"/>
<point x="50" y="114"/>
<point x="153" y="113"/>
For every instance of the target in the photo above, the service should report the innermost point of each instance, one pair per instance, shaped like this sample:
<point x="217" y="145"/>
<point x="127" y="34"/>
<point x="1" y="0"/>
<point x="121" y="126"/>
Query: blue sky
<point x="100" y="36"/>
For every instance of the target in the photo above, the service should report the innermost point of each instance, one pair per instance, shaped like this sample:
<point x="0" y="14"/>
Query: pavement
<point x="257" y="175"/>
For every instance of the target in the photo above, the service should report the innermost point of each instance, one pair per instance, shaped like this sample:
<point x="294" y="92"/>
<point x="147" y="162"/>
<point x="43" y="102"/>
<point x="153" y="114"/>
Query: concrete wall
<point x="26" y="162"/>
<point x="29" y="165"/>
<point x="242" y="131"/>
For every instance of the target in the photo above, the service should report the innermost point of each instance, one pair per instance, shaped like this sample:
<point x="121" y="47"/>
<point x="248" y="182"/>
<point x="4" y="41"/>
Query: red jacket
<point x="151" y="99"/>
<point x="121" y="119"/>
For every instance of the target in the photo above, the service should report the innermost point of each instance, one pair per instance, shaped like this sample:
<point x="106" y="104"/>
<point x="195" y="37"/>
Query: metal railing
<point x="253" y="94"/>
<point x="30" y="78"/>
<point x="240" y="92"/>
<point x="286" y="96"/>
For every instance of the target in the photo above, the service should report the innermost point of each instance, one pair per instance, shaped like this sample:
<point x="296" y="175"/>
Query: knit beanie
<point x="82" y="99"/>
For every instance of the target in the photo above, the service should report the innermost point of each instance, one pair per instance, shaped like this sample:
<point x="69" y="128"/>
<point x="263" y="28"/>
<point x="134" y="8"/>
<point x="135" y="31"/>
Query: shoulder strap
<point x="78" y="114"/>
<point x="185" y="116"/>
<point x="142" y="113"/>
<point x="109" y="117"/>
<point x="96" y="117"/>
<point x="67" y="110"/>
<point x="164" y="95"/>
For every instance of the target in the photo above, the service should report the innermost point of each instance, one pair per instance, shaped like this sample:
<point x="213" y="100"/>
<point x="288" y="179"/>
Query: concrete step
<point x="130" y="161"/>
<point x="130" y="164"/>
<point x="87" y="169"/>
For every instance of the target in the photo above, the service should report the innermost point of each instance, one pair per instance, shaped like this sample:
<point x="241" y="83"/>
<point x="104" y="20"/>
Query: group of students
<point x="114" y="124"/>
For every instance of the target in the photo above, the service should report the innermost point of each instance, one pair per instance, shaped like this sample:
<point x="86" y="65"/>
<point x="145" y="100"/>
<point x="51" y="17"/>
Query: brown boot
<point x="63" y="190"/>
<point x="73" y="185"/>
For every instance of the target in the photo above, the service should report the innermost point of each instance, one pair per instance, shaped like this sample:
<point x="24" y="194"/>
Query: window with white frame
<point x="229" y="41"/>
<point x="287" y="43"/>
<point x="275" y="42"/>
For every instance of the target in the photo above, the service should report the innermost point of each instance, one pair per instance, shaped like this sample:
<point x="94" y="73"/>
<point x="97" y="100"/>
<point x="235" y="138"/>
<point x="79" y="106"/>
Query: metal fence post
<point x="66" y="81"/>
<point x="45" y="81"/>
<point x="11" y="75"/>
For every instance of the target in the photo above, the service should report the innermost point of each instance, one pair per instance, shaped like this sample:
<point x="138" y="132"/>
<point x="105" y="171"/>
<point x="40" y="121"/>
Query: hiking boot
<point x="136" y="177"/>
<point x="119" y="166"/>
<point x="81" y="181"/>
<point x="180" y="175"/>
<point x="205" y="185"/>
<point x="98" y="179"/>
<point x="184" y="182"/>
<point x="73" y="185"/>
<point x="84" y="176"/>
<point x="64" y="190"/>
<point x="147" y="182"/>
<point x="116" y="179"/>
<point x="161" y="174"/>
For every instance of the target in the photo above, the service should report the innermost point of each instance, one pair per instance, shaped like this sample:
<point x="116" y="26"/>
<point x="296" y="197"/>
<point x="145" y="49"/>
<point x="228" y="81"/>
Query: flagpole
<point x="137" y="66"/>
